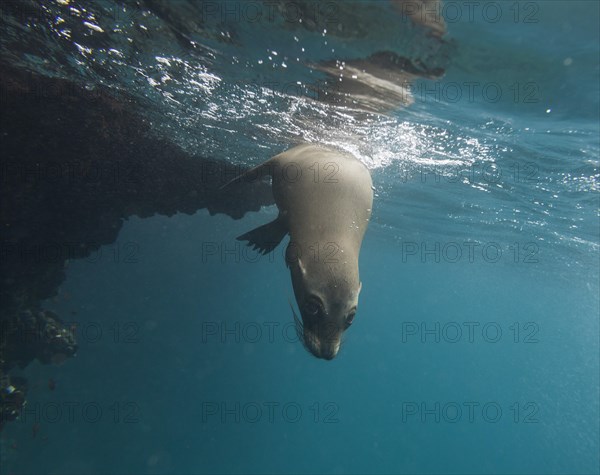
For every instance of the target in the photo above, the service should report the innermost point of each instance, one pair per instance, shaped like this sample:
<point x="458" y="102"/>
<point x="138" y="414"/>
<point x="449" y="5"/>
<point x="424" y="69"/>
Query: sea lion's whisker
<point x="298" y="324"/>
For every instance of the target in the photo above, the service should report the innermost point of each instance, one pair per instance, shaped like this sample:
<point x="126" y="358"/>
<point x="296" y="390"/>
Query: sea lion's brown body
<point x="324" y="198"/>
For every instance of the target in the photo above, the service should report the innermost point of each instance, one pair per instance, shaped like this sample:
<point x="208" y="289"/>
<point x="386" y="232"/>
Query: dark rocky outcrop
<point x="74" y="165"/>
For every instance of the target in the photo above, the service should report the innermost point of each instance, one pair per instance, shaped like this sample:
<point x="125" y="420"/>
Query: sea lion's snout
<point x="329" y="352"/>
<point x="321" y="339"/>
<point x="321" y="344"/>
<point x="328" y="356"/>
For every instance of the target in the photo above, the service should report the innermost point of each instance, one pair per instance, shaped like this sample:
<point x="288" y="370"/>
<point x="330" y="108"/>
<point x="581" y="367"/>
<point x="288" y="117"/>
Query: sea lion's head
<point x="327" y="297"/>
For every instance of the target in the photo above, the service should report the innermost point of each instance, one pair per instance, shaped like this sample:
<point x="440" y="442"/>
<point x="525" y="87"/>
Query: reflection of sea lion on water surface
<point x="324" y="198"/>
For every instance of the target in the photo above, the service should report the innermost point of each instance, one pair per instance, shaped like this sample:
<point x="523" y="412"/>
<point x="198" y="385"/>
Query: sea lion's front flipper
<point x="267" y="237"/>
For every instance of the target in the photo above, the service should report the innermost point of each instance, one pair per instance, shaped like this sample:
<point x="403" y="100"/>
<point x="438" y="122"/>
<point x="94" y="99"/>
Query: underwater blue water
<point x="476" y="345"/>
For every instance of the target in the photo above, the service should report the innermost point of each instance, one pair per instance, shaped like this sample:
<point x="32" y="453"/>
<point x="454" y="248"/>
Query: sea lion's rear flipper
<point x="267" y="237"/>
<point x="257" y="173"/>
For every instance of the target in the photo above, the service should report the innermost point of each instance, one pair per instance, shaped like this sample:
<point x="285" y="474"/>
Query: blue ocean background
<point x="513" y="180"/>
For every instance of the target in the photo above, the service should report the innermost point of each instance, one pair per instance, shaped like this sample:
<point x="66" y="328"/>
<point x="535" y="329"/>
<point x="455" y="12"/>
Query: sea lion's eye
<point x="312" y="308"/>
<point x="350" y="318"/>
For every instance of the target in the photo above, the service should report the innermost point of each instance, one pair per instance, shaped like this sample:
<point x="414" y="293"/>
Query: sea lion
<point x="324" y="197"/>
